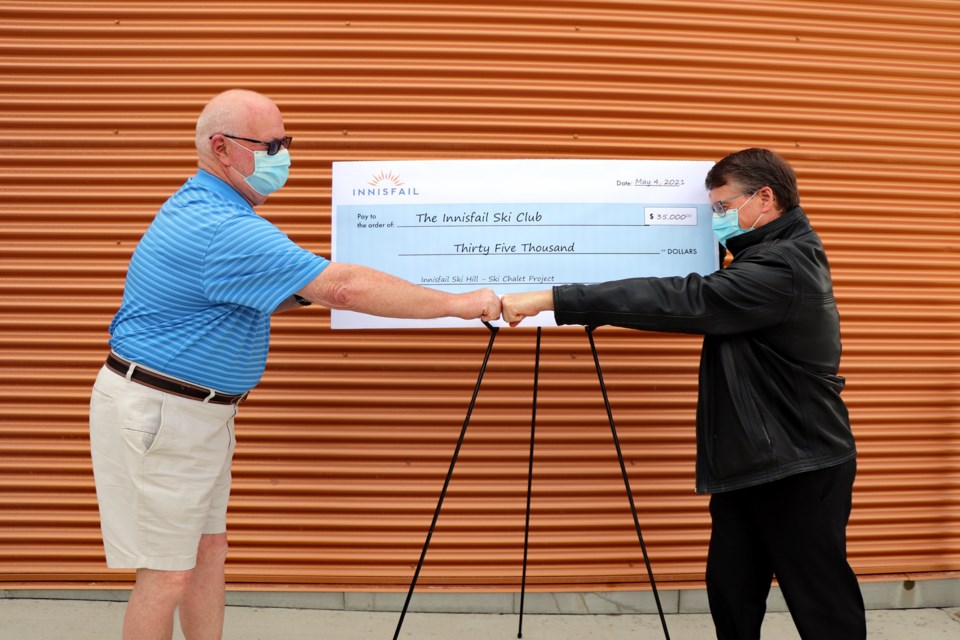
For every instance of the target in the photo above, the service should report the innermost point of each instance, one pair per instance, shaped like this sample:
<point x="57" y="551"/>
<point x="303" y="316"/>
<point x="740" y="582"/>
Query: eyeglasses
<point x="720" y="206"/>
<point x="273" y="146"/>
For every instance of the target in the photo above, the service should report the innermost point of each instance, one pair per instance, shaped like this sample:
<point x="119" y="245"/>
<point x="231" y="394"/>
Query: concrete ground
<point x="59" y="619"/>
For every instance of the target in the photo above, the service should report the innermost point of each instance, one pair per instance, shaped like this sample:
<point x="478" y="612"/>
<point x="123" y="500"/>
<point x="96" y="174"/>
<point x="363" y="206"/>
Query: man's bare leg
<point x="201" y="609"/>
<point x="155" y="596"/>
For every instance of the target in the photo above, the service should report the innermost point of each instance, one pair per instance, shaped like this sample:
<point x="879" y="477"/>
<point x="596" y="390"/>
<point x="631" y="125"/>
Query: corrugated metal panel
<point x="344" y="447"/>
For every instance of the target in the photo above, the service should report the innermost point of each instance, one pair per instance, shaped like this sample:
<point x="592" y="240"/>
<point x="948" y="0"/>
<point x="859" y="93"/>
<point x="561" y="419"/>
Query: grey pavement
<point x="59" y="619"/>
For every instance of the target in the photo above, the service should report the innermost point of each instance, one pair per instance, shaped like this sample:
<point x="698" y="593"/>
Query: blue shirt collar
<point x="209" y="181"/>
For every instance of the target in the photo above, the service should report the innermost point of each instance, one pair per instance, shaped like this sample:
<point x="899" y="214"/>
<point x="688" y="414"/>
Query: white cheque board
<point x="518" y="225"/>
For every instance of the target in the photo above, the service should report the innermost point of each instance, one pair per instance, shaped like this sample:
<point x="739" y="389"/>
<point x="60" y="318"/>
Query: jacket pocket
<point x="738" y="449"/>
<point x="740" y="441"/>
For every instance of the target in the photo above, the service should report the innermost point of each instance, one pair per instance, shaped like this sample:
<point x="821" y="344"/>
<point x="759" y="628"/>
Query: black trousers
<point x="794" y="529"/>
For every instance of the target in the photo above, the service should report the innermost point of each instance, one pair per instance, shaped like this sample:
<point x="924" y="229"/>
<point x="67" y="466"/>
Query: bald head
<point x="236" y="112"/>
<point x="231" y="129"/>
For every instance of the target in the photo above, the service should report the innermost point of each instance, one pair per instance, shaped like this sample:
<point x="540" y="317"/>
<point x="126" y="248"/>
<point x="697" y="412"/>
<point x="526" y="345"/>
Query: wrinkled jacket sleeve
<point x="752" y="293"/>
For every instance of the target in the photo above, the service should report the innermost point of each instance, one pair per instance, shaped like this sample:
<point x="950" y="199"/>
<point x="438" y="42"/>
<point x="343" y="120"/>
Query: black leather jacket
<point x="769" y="403"/>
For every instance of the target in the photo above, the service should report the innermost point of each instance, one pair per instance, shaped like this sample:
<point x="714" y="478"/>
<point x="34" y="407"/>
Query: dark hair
<point x="753" y="169"/>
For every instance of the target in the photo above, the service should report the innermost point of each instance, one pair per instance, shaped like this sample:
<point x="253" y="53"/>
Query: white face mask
<point x="269" y="172"/>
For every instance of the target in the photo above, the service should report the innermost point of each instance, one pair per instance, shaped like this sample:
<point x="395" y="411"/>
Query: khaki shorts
<point x="162" y="470"/>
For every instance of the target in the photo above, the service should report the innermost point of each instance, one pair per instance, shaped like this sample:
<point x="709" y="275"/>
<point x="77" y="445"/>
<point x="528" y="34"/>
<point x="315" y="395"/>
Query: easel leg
<point x="626" y="482"/>
<point x="526" y="528"/>
<point x="446" y="483"/>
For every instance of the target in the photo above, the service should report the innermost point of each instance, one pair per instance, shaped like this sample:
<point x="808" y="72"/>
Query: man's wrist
<point x="545" y="300"/>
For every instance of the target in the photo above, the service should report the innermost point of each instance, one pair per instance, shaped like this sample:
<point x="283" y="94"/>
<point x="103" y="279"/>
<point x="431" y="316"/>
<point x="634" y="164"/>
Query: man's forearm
<point x="359" y="288"/>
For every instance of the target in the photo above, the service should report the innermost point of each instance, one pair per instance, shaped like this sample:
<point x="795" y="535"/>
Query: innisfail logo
<point x="386" y="183"/>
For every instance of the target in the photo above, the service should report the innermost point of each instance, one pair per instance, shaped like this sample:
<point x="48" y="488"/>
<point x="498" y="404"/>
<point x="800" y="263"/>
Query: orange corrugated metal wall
<point x="343" y="448"/>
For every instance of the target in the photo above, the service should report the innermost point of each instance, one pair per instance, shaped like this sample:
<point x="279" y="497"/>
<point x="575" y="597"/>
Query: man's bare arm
<point x="359" y="288"/>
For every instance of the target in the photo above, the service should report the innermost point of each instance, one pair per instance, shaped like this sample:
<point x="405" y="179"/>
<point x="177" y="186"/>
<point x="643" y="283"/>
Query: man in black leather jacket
<point x="774" y="445"/>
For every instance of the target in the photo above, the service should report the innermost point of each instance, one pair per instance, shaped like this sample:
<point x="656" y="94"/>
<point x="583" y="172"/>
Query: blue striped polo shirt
<point x="202" y="284"/>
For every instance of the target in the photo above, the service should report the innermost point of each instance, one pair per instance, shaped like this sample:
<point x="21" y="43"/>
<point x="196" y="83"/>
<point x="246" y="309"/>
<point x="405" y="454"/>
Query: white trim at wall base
<point x="901" y="594"/>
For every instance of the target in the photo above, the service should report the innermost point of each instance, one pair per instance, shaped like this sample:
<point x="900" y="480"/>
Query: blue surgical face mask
<point x="727" y="226"/>
<point x="269" y="172"/>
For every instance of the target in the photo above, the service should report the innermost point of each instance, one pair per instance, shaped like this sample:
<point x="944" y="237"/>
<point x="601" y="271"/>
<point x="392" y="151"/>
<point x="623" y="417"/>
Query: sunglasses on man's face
<point x="273" y="146"/>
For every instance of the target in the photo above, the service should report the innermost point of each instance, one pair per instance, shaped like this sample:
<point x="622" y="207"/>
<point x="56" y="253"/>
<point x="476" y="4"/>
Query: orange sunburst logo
<point x="386" y="177"/>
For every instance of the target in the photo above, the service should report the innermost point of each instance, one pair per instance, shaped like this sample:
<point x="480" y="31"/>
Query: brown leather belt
<point x="170" y="385"/>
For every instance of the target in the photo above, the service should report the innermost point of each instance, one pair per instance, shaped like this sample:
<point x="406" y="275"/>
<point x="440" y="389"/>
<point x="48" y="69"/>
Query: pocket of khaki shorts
<point x="144" y="424"/>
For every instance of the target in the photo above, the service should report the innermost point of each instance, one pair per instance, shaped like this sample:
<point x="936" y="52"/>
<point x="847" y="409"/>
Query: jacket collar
<point x="785" y="226"/>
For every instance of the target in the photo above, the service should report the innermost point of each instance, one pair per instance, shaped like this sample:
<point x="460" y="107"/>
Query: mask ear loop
<point x="232" y="168"/>
<point x="242" y="147"/>
<point x="754" y="225"/>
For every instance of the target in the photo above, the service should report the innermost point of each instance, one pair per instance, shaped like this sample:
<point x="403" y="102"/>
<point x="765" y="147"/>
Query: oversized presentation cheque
<point x="518" y="225"/>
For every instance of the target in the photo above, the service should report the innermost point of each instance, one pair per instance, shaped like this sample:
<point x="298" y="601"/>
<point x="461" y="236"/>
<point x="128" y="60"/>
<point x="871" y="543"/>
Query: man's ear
<point x="218" y="148"/>
<point x="768" y="199"/>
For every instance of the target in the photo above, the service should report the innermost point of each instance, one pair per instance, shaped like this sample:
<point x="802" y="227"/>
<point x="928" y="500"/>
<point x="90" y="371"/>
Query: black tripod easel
<point x="526" y="535"/>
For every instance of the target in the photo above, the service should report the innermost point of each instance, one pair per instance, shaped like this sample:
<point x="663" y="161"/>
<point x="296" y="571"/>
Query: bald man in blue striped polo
<point x="189" y="342"/>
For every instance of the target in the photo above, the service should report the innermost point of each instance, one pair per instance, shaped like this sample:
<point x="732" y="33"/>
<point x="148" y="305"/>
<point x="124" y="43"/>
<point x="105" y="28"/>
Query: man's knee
<point x="212" y="549"/>
<point x="162" y="585"/>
